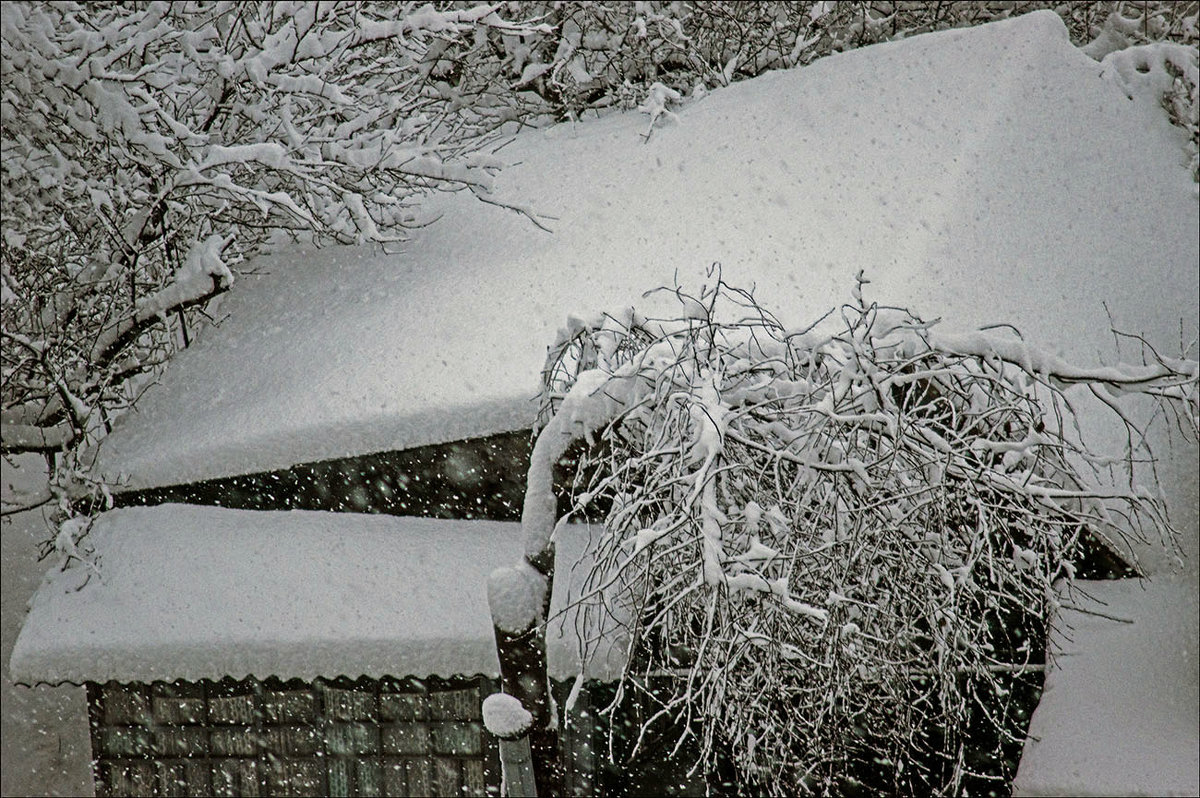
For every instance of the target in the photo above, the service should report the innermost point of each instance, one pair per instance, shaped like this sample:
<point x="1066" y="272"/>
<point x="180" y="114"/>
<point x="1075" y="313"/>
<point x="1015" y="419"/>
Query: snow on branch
<point x="33" y="438"/>
<point x="834" y="537"/>
<point x="203" y="276"/>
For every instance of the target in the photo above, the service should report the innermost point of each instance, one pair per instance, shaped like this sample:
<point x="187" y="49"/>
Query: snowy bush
<point x="838" y="545"/>
<point x="595" y="54"/>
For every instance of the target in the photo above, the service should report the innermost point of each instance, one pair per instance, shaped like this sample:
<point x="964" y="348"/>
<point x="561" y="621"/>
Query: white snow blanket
<point x="185" y="592"/>
<point x="1118" y="715"/>
<point x="984" y="175"/>
<point x="981" y="175"/>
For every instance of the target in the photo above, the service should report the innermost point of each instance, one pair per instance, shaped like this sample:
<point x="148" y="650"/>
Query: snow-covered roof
<point x="191" y="593"/>
<point x="1119" y="712"/>
<point x="982" y="175"/>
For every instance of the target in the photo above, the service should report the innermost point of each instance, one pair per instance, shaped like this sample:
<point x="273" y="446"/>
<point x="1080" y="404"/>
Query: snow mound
<point x="515" y="595"/>
<point x="504" y="716"/>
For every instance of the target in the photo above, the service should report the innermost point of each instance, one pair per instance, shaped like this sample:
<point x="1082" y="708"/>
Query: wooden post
<point x="524" y="676"/>
<point x="522" y="645"/>
<point x="516" y="763"/>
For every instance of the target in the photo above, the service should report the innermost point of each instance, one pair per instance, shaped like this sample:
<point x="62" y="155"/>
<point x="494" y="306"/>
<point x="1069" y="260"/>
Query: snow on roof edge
<point x="362" y="437"/>
<point x="258" y="677"/>
<point x="294" y="594"/>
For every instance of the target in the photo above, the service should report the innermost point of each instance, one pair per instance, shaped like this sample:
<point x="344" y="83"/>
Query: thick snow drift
<point x="1129" y="691"/>
<point x="982" y="175"/>
<point x="199" y="593"/>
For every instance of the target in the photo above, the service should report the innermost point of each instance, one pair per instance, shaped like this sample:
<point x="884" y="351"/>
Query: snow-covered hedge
<point x="603" y="54"/>
<point x="838" y="545"/>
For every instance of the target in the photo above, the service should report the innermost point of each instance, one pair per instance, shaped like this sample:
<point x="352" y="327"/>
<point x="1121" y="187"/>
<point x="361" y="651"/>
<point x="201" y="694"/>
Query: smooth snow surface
<point x="504" y="716"/>
<point x="982" y="175"/>
<point x="1119" y="711"/>
<point x="199" y="593"/>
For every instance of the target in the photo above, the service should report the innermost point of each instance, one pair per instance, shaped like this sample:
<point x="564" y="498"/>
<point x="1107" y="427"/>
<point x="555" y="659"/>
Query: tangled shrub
<point x="833" y="551"/>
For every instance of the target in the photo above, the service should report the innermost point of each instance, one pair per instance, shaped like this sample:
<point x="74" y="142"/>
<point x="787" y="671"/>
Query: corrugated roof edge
<point x="297" y="593"/>
<point x="326" y="677"/>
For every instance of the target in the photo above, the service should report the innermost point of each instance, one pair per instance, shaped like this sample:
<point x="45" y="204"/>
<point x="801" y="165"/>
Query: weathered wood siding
<point x="330" y="737"/>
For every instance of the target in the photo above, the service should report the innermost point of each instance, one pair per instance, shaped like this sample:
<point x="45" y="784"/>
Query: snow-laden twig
<point x="658" y="98"/>
<point x="203" y="275"/>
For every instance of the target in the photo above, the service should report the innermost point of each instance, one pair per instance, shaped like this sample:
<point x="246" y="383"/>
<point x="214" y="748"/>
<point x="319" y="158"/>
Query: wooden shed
<point x="232" y="652"/>
<point x="263" y="644"/>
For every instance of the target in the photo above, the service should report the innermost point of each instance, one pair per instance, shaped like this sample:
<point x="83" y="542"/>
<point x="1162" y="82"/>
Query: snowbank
<point x="982" y="175"/>
<point x="1118" y="715"/>
<point x="199" y="593"/>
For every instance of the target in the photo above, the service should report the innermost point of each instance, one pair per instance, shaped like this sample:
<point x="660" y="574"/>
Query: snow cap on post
<point x="505" y="717"/>
<point x="516" y="595"/>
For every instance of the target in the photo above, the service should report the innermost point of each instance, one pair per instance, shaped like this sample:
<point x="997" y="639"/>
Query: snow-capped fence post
<point x="519" y="596"/>
<point x="528" y="756"/>
<point x="506" y="718"/>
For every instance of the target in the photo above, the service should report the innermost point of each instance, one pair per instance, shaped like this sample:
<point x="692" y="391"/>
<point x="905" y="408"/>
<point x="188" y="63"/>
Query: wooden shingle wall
<point x="329" y="737"/>
<point x="369" y="737"/>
